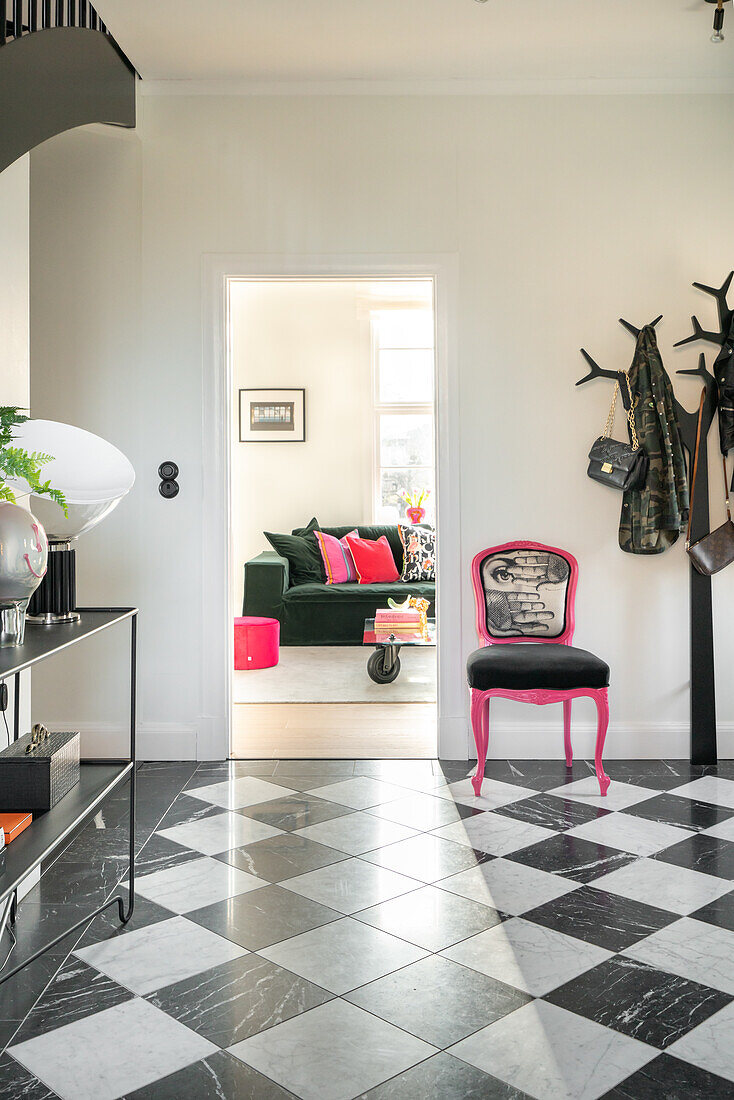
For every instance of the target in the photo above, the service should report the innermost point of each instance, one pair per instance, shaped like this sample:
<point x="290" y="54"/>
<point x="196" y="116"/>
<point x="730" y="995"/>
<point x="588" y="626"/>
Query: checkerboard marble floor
<point x="334" y="929"/>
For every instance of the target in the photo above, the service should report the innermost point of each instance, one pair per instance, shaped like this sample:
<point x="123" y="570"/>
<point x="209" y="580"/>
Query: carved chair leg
<point x="567" y="731"/>
<point x="602" y="709"/>
<point x="480" y="727"/>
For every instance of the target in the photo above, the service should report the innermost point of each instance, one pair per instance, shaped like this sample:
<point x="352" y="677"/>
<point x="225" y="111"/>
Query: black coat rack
<point x="703" y="697"/>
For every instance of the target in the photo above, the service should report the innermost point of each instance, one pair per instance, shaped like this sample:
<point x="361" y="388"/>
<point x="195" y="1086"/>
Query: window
<point x="403" y="368"/>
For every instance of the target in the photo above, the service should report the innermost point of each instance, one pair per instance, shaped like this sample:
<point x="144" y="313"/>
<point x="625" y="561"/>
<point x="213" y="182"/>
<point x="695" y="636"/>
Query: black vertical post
<point x="17" y="18"/>
<point x="46" y="13"/>
<point x="71" y="13"/>
<point x="33" y="15"/>
<point x="82" y="13"/>
<point x="59" y="13"/>
<point x="92" y="18"/>
<point x="3" y="21"/>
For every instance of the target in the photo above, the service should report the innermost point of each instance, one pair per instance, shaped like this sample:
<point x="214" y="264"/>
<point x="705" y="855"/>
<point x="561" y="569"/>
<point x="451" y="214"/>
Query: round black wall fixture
<point x="168" y="472"/>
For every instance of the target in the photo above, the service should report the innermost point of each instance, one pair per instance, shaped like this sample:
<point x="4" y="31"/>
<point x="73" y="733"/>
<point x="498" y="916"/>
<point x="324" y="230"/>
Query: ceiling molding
<point x="585" y="86"/>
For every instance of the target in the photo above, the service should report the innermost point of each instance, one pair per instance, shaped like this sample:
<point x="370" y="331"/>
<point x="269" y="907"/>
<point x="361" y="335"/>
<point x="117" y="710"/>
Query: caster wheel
<point x="377" y="671"/>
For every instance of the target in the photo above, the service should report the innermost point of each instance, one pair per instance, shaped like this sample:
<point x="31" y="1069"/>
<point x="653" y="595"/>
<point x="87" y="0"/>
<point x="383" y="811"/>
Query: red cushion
<point x="373" y="560"/>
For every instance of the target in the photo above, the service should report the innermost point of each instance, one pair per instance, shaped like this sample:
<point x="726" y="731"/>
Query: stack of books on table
<point x="401" y="623"/>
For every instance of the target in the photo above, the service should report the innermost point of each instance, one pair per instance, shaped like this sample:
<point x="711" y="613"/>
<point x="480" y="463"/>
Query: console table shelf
<point x="97" y="778"/>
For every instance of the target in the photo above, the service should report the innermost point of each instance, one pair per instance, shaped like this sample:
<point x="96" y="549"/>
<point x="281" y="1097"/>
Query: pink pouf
<point x="256" y="642"/>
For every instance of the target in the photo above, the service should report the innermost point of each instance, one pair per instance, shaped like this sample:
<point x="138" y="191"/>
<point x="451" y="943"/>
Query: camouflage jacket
<point x="654" y="516"/>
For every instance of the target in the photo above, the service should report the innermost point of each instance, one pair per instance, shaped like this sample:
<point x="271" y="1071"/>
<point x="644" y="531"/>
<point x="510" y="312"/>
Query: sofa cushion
<point x="302" y="552"/>
<point x="525" y="666"/>
<point x="419" y="553"/>
<point x="373" y="560"/>
<point x="376" y="594"/>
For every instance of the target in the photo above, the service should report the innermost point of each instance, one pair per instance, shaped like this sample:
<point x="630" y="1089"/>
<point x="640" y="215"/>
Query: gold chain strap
<point x="630" y="414"/>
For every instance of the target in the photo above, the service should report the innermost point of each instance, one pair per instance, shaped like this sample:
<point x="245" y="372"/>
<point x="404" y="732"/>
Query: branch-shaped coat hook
<point x="616" y="376"/>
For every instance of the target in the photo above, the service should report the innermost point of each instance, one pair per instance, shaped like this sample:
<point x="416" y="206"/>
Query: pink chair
<point x="525" y="595"/>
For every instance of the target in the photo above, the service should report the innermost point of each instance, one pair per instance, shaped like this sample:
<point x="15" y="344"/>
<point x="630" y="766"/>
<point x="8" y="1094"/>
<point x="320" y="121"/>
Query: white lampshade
<point x="92" y="474"/>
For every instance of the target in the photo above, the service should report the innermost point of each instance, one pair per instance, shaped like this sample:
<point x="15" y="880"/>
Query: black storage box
<point x="37" y="780"/>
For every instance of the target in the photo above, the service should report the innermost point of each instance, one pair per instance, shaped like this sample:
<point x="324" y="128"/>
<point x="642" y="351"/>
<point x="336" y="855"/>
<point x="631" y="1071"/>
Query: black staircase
<point x="59" y="68"/>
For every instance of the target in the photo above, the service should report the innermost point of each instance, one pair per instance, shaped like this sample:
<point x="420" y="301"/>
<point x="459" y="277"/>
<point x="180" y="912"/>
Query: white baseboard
<point x="155" y="740"/>
<point x="625" y="741"/>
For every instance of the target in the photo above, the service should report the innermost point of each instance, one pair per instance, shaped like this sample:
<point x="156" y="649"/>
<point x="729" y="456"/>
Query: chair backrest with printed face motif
<point x="524" y="592"/>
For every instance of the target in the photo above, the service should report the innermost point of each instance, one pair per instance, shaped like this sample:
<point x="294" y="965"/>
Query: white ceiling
<point x="593" y="43"/>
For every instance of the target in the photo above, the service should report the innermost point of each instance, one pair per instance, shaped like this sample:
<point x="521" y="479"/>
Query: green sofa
<point x="324" y="614"/>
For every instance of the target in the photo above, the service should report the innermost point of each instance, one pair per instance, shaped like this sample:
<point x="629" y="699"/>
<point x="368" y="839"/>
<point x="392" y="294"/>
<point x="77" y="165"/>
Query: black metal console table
<point x="97" y="779"/>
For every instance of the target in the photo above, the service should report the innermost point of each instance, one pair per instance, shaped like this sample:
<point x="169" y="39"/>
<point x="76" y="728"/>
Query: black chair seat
<point x="525" y="666"/>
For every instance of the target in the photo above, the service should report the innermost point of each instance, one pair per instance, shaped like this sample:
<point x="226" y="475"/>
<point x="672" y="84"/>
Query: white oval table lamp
<point x="94" y="476"/>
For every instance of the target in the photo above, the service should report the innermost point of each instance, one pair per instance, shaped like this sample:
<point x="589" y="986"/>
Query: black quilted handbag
<point x="619" y="465"/>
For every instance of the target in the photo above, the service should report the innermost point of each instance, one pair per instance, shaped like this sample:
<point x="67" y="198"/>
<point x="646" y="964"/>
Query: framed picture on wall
<point x="272" y="416"/>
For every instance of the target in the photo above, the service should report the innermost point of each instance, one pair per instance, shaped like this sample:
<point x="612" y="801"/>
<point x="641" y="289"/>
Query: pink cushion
<point x="373" y="559"/>
<point x="256" y="642"/>
<point x="337" y="558"/>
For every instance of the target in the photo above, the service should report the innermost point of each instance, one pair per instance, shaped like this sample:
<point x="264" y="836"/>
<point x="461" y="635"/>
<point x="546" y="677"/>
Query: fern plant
<point x="17" y="462"/>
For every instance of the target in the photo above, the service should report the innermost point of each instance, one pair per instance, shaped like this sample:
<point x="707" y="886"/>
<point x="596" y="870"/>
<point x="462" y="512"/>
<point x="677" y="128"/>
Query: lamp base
<point x="54" y="601"/>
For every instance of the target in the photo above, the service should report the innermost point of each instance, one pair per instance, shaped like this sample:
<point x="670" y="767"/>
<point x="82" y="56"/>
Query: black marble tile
<point x="659" y="775"/>
<point x="237" y="999"/>
<point x="107" y="925"/>
<point x="719" y="912"/>
<point x="263" y="917"/>
<point x="639" y="1001"/>
<point x="438" y="1000"/>
<point x="221" y="1077"/>
<point x="537" y="775"/>
<point x="596" y="916"/>
<point x="702" y="853"/>
<point x="19" y="994"/>
<point x="77" y="991"/>
<point x="552" y="812"/>
<point x="572" y="857"/>
<point x="280" y="857"/>
<point x="16" y="1083"/>
<point x="87" y="883"/>
<point x="444" y="1078"/>
<point x="159" y="853"/>
<point x="295" y="811"/>
<point x="671" y="809"/>
<point x="668" y="1078"/>
<point x="186" y="809"/>
<point x="37" y="924"/>
<point x="224" y="768"/>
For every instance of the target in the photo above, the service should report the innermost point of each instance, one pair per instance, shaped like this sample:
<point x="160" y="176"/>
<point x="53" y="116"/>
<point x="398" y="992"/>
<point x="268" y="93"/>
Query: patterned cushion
<point x="419" y="553"/>
<point x="337" y="558"/>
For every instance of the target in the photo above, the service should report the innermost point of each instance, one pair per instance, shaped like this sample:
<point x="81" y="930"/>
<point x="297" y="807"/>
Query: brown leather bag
<point x="714" y="551"/>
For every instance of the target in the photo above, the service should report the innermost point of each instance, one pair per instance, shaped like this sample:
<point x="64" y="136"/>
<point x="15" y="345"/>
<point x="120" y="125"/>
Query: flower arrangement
<point x="17" y="462"/>
<point x="416" y="498"/>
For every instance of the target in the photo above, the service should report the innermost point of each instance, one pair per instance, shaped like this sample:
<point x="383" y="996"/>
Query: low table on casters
<point x="383" y="666"/>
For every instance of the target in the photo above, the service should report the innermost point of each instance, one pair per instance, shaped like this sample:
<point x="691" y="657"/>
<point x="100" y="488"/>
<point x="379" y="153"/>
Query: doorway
<point x="332" y="429"/>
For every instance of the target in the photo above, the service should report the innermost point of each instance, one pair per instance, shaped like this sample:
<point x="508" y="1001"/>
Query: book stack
<point x="397" y="621"/>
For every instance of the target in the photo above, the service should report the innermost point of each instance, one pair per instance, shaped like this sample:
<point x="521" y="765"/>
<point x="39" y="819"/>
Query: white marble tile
<point x="710" y="1045"/>
<point x="220" y="833"/>
<point x="356" y="833"/>
<point x="723" y="831"/>
<point x="507" y="886"/>
<point x="692" y="949"/>
<point x="709" y="788"/>
<point x="333" y="1052"/>
<point x="618" y="797"/>
<point x="424" y="856"/>
<point x="494" y="833"/>
<point x="234" y="793"/>
<point x="159" y="954"/>
<point x="195" y="884"/>
<point x="350" y="885"/>
<point x="111" y="1053"/>
<point x="343" y="955"/>
<point x="553" y="1054"/>
<point x="630" y="834"/>
<point x="664" y="885"/>
<point x="527" y="956"/>
<point x="494" y="794"/>
<point x="419" y="811"/>
<point x="360" y="792"/>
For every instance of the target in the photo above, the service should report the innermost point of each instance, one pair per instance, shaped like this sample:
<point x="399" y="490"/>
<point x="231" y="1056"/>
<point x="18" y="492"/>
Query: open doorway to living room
<point x="333" y="516"/>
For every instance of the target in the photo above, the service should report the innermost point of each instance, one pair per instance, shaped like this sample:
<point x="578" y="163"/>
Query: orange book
<point x="14" y="824"/>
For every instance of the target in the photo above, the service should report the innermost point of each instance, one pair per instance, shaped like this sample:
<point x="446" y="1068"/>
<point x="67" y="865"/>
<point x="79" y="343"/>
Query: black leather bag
<point x="620" y="465"/>
<point x="714" y="551"/>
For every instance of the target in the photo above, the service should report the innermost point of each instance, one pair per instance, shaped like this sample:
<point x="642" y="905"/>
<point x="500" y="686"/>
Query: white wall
<point x="15" y="330"/>
<point x="564" y="213"/>
<point x="312" y="335"/>
<point x="86" y="370"/>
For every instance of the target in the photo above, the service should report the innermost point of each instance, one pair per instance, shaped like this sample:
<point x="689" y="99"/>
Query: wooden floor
<point x="324" y="730"/>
